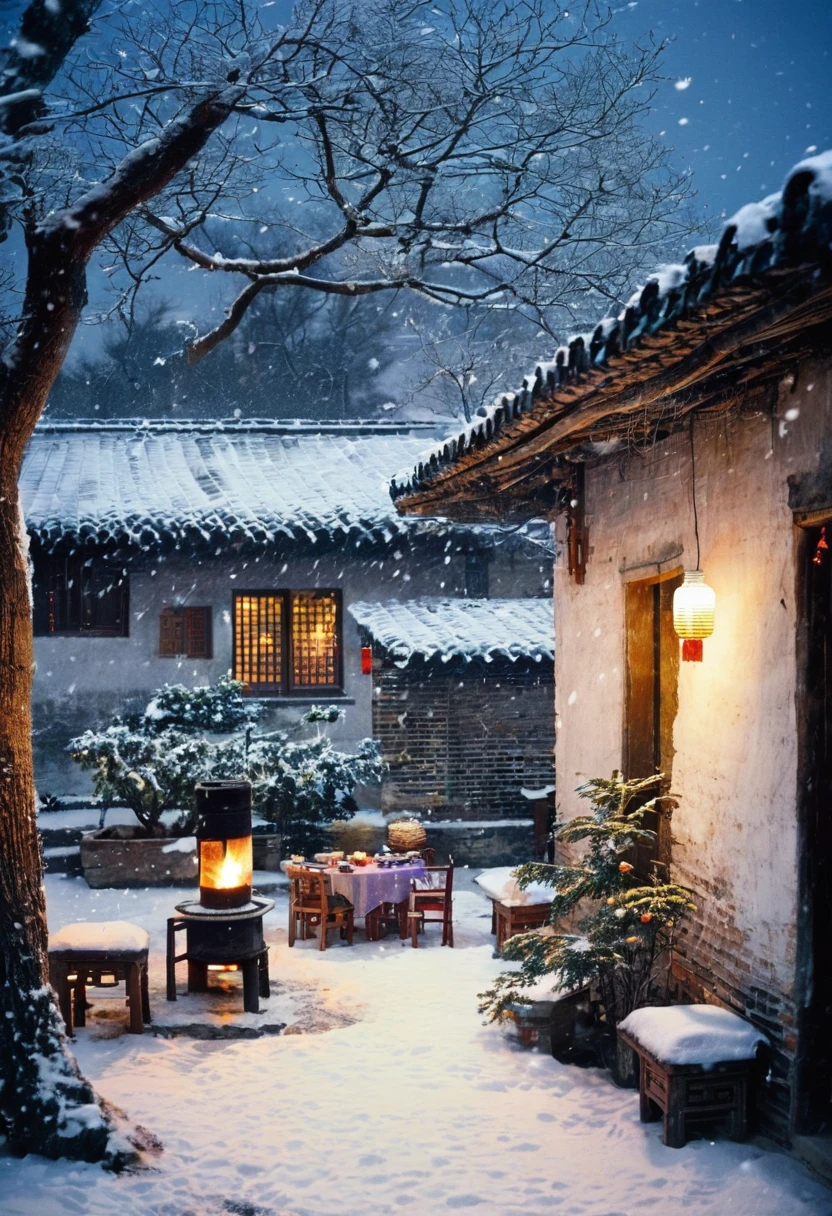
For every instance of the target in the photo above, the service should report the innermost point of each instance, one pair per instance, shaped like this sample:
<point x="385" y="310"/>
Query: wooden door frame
<point x="663" y="754"/>
<point x="809" y="720"/>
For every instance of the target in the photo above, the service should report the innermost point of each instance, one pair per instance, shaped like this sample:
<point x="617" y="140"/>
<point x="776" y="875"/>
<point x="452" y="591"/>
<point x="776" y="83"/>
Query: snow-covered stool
<point x="514" y="910"/>
<point x="99" y="954"/>
<point x="694" y="1064"/>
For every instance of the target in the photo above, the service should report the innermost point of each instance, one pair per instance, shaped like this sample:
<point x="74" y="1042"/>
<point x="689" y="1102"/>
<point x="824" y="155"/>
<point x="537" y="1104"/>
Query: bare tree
<point x="482" y="152"/>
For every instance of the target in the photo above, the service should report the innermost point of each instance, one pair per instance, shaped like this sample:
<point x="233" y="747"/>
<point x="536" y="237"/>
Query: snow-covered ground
<point x="389" y="1095"/>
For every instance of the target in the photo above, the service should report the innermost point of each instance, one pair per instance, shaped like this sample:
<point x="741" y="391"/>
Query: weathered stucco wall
<point x="735" y="737"/>
<point x="81" y="682"/>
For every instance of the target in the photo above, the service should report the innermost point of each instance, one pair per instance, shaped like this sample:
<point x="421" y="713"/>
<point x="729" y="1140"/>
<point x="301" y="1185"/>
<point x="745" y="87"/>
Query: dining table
<point x="370" y="885"/>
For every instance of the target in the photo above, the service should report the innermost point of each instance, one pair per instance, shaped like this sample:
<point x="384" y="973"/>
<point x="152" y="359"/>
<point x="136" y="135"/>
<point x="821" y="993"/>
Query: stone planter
<point x="622" y="1063"/>
<point x="158" y="861"/>
<point x="529" y="1024"/>
<point x="548" y="1023"/>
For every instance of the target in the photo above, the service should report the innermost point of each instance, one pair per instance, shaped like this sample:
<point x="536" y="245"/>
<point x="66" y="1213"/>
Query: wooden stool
<point x="680" y="1090"/>
<point x="99" y="955"/>
<point x="508" y="919"/>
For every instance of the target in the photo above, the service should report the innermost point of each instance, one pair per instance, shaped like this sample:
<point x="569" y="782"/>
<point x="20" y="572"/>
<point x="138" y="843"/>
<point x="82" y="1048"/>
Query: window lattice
<point x="314" y="640"/>
<point x="258" y="640"/>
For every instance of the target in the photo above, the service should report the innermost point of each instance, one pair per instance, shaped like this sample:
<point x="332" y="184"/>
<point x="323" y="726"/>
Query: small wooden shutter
<point x="171" y="632"/>
<point x="198" y="632"/>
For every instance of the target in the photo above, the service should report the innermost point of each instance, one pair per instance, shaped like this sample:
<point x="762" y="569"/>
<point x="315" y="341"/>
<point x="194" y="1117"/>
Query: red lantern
<point x="366" y="661"/>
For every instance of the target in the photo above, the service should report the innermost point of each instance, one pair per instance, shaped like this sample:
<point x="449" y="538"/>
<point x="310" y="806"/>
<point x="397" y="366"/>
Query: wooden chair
<point x="431" y="902"/>
<point x="387" y="916"/>
<point x="311" y="905"/>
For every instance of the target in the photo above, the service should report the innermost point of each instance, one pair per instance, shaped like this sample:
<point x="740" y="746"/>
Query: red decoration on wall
<point x="366" y="661"/>
<point x="821" y="546"/>
<point x="692" y="650"/>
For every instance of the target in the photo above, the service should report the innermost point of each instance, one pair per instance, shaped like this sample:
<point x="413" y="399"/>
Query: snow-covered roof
<point x="458" y="628"/>
<point x="139" y="483"/>
<point x="588" y="395"/>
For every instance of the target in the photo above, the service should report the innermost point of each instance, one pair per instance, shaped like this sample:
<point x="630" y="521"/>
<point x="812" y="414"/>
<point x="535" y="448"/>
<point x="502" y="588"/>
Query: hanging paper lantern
<point x="366" y="661"/>
<point x="693" y="614"/>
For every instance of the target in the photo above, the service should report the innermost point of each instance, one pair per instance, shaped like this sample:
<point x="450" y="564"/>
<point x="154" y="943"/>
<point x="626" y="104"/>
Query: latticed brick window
<point x="185" y="631"/>
<point x="287" y="642"/>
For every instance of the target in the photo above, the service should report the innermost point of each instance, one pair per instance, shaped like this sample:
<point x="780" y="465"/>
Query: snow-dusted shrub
<point x="300" y="786"/>
<point x="150" y="770"/>
<point x="152" y="762"/>
<point x="629" y="923"/>
<point x="219" y="708"/>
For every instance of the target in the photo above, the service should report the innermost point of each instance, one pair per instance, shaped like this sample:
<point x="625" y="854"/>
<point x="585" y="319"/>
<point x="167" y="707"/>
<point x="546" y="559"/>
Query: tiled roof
<point x="588" y="392"/>
<point x="457" y="628"/>
<point x="141" y="483"/>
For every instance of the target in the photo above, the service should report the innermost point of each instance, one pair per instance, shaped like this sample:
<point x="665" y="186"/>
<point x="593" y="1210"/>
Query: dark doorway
<point x="813" y="1090"/>
<point x="651" y="702"/>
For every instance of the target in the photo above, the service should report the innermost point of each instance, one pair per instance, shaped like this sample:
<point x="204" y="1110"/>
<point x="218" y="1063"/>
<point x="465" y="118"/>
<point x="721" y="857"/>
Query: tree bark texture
<point x="45" y="1104"/>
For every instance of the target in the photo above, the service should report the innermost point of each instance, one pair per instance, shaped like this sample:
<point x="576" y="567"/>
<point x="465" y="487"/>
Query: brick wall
<point x="462" y="739"/>
<point x="714" y="962"/>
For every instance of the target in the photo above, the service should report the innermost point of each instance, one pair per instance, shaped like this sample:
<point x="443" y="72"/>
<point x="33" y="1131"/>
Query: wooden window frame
<point x="188" y="617"/>
<point x="286" y="686"/>
<point x="47" y="572"/>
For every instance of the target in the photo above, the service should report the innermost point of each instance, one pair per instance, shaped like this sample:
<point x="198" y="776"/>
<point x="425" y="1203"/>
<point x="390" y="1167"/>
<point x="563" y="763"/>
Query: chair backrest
<point x="436" y="878"/>
<point x="308" y="887"/>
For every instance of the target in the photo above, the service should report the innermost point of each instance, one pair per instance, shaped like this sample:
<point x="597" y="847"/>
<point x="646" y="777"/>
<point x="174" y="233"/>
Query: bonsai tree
<point x="628" y="925"/>
<point x="153" y="761"/>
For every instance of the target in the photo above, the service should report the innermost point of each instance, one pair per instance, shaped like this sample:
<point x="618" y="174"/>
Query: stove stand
<point x="227" y="937"/>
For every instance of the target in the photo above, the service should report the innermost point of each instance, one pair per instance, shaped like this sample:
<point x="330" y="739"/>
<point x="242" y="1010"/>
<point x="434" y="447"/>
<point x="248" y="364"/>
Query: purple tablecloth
<point x="368" y="886"/>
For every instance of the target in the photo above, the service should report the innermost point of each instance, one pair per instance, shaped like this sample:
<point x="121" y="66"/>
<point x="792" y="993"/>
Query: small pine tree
<point x="630" y="925"/>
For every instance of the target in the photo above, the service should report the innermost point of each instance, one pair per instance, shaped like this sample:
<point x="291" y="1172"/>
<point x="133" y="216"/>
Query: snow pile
<point x="458" y="628"/>
<point x="693" y="1034"/>
<point x="501" y="884"/>
<point x="788" y="228"/>
<point x="100" y="936"/>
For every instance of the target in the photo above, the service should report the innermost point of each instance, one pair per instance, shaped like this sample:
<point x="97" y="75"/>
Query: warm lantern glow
<point x="225" y="866"/>
<point x="693" y="613"/>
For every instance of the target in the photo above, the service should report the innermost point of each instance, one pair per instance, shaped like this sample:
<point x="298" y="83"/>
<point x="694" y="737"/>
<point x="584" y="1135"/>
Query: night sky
<point x="759" y="96"/>
<point x="759" y="92"/>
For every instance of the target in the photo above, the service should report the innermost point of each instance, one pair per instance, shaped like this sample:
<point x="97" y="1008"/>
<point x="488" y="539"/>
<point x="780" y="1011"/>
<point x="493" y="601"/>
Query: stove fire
<point x="224" y="838"/>
<point x="224" y="928"/>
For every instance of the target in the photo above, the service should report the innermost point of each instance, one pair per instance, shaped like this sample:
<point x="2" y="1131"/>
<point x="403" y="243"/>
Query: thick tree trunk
<point x="45" y="1104"/>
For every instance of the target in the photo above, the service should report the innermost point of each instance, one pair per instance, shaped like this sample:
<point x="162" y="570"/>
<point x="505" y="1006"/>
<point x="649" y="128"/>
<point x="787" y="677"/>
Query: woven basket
<point x="406" y="834"/>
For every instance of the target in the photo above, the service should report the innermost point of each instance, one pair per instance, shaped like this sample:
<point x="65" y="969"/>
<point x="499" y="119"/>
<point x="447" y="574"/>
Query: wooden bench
<point x="99" y="955"/>
<point x="682" y="1090"/>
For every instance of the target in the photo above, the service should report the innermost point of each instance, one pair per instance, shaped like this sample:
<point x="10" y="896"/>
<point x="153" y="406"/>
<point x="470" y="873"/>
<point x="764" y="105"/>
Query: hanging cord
<point x="693" y="489"/>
